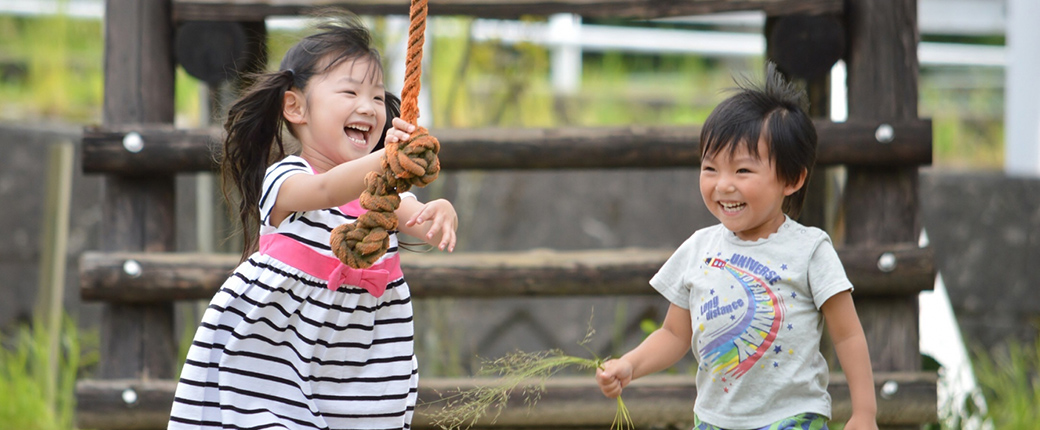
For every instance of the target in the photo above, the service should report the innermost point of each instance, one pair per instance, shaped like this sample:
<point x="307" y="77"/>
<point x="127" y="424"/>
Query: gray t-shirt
<point x="755" y="313"/>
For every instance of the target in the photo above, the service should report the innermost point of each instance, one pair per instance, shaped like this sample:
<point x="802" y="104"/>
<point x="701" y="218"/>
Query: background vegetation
<point x="51" y="70"/>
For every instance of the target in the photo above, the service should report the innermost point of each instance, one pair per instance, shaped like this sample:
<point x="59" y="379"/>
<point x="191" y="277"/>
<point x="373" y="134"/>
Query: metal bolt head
<point x="132" y="268"/>
<point x="129" y="396"/>
<point x="884" y="133"/>
<point x="887" y="262"/>
<point x="889" y="389"/>
<point x="133" y="142"/>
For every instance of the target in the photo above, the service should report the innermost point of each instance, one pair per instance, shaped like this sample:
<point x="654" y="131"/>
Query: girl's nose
<point x="366" y="107"/>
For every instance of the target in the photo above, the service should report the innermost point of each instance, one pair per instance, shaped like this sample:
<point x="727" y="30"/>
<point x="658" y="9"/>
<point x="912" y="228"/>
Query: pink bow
<point x="372" y="280"/>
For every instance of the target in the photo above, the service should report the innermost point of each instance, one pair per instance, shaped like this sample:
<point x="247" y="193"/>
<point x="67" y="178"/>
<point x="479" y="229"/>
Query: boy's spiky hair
<point x="776" y="112"/>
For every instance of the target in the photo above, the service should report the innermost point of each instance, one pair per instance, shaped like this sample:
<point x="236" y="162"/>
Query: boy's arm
<point x="659" y="351"/>
<point x="851" y="346"/>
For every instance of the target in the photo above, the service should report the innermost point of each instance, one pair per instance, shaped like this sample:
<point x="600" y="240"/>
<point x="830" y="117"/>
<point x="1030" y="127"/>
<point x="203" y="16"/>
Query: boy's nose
<point x="725" y="185"/>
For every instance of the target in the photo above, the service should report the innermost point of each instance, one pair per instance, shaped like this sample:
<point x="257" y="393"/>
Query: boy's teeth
<point x="732" y="206"/>
<point x="358" y="127"/>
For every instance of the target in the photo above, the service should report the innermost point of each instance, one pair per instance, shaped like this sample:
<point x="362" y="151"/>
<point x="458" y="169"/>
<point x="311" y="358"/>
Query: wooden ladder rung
<point x="257" y="10"/>
<point x="165" y="149"/>
<point x="568" y="401"/>
<point x="162" y="277"/>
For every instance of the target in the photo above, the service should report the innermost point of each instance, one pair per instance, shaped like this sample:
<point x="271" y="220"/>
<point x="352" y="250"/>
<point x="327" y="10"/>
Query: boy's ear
<point x="792" y="188"/>
<point x="293" y="108"/>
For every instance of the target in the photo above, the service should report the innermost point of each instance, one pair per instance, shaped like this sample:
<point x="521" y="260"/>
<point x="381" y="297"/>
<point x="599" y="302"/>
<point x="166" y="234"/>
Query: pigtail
<point x="254" y="138"/>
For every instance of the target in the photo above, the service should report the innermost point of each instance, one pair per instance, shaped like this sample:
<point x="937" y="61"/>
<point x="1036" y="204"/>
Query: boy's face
<point x="744" y="192"/>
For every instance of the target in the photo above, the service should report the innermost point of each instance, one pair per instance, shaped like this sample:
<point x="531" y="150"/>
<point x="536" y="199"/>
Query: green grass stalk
<point x="528" y="371"/>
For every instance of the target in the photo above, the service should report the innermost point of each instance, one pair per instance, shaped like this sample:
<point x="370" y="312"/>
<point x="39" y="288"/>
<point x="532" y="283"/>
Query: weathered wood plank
<point x="158" y="277"/>
<point x="656" y="401"/>
<point x="252" y="10"/>
<point x="881" y="201"/>
<point x="41" y="133"/>
<point x="138" y="213"/>
<point x="170" y="150"/>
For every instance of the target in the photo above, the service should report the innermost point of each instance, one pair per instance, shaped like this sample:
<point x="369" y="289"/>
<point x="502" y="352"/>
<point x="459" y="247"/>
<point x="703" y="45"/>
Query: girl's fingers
<point x="402" y="125"/>
<point x="448" y="242"/>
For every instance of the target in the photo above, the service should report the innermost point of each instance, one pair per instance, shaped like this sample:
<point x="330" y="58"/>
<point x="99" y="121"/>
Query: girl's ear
<point x="793" y="188"/>
<point x="293" y="107"/>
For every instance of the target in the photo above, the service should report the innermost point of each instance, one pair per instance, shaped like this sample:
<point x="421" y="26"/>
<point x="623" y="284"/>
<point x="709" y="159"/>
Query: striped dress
<point x="279" y="348"/>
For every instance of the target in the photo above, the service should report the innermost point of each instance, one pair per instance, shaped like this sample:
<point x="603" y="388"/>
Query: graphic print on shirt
<point x="745" y="322"/>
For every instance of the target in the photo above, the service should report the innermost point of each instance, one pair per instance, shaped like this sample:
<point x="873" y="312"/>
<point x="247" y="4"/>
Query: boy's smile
<point x="744" y="192"/>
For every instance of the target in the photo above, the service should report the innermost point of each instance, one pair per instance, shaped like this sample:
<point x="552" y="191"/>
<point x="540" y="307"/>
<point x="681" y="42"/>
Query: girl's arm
<point x="434" y="222"/>
<point x="851" y="346"/>
<point x="336" y="187"/>
<point x="663" y="348"/>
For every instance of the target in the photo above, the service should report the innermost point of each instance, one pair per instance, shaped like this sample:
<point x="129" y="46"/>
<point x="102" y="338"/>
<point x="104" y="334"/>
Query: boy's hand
<point x="613" y="377"/>
<point x="400" y="132"/>
<point x="443" y="220"/>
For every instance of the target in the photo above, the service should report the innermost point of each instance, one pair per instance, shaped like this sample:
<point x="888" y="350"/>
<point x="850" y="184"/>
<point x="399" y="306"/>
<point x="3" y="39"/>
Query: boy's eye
<point x="743" y="171"/>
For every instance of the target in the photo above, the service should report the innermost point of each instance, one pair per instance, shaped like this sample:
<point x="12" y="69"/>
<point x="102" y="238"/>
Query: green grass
<point x="1010" y="383"/>
<point x="24" y="377"/>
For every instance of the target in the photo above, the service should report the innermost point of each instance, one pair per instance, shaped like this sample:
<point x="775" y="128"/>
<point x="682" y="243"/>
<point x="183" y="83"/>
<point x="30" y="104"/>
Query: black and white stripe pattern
<point x="277" y="349"/>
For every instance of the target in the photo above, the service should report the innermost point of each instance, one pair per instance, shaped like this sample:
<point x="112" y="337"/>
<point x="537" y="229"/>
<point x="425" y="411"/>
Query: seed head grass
<point x="519" y="370"/>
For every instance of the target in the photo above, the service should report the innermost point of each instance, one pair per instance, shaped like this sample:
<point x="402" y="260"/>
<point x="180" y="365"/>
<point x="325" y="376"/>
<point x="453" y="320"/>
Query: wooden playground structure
<point x="139" y="151"/>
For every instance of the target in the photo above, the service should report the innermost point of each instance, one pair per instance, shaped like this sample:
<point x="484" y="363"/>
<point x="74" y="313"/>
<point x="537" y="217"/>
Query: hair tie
<point x="292" y="75"/>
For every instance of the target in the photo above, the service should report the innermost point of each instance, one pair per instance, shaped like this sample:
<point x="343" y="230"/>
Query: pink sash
<point x="300" y="256"/>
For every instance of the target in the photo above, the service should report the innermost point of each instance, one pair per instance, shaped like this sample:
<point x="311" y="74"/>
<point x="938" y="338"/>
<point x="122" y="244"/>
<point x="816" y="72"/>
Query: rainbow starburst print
<point x="737" y="345"/>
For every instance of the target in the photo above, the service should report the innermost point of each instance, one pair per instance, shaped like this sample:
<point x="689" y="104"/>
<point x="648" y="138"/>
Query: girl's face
<point x="341" y="115"/>
<point x="744" y="192"/>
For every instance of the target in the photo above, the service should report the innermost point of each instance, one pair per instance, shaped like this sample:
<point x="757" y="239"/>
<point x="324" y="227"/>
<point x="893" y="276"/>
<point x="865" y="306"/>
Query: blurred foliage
<point x="51" y="69"/>
<point x="24" y="376"/>
<point x="1010" y="383"/>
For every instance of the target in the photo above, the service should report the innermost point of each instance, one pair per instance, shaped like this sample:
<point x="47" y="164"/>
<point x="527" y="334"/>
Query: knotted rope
<point x="405" y="164"/>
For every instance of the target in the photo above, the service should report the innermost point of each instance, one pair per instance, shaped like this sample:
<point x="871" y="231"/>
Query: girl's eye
<point x="743" y="171"/>
<point x="707" y="169"/>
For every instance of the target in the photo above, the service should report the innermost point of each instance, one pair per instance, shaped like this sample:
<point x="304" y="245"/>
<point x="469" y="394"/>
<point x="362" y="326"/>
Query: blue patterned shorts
<point x="797" y="422"/>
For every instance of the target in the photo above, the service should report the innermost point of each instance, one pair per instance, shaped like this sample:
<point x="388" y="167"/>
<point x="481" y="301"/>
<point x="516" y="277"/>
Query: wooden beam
<point x="165" y="149"/>
<point x="138" y="213"/>
<point x="574" y="402"/>
<point x="253" y="10"/>
<point x="881" y="202"/>
<point x="158" y="277"/>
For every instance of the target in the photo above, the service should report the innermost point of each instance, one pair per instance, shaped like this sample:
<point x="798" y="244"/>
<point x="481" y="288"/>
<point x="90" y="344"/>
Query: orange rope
<point x="405" y="164"/>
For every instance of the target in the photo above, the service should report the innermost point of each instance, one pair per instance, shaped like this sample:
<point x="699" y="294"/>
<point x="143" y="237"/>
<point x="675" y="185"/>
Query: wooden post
<point x="881" y="203"/>
<point x="138" y="211"/>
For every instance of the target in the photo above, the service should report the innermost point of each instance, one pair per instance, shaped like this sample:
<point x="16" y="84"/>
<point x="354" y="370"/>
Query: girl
<point x="281" y="345"/>
<point x="750" y="295"/>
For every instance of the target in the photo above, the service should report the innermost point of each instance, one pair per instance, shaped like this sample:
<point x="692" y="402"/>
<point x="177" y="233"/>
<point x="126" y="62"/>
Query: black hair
<point x="776" y="112"/>
<point x="254" y="123"/>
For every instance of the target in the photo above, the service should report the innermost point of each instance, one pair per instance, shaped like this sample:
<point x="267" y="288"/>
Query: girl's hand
<point x="861" y="422"/>
<point x="614" y="376"/>
<point x="442" y="219"/>
<point x="401" y="131"/>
